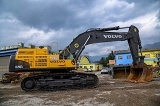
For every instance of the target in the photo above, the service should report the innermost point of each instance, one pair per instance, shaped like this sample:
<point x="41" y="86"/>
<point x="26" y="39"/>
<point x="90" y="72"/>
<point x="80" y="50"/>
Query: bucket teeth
<point x="140" y="73"/>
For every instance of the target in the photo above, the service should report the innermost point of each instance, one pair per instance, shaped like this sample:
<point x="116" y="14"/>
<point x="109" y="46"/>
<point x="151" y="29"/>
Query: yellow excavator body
<point x="41" y="58"/>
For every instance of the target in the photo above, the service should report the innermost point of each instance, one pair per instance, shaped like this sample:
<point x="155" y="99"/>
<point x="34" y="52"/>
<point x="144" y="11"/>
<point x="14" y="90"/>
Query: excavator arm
<point x="99" y="35"/>
<point x="139" y="71"/>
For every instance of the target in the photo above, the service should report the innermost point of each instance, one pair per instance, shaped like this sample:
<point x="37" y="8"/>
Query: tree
<point x="102" y="61"/>
<point x="111" y="56"/>
<point x="158" y="58"/>
<point x="105" y="60"/>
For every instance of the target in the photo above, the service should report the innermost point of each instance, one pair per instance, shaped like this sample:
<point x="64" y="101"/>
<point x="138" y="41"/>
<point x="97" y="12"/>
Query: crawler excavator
<point x="54" y="70"/>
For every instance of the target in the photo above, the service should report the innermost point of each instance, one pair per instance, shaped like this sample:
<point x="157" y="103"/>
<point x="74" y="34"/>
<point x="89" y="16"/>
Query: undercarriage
<point x="59" y="81"/>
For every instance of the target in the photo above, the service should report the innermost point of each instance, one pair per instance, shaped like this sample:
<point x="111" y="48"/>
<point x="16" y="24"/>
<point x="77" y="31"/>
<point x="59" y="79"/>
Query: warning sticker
<point x="135" y="30"/>
<point x="76" y="45"/>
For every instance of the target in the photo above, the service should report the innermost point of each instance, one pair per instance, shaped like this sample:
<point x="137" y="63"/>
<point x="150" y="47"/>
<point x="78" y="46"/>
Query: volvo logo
<point x="112" y="36"/>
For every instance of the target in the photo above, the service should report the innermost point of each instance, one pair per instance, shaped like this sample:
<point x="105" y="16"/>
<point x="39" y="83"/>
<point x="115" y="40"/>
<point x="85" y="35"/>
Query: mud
<point x="110" y="92"/>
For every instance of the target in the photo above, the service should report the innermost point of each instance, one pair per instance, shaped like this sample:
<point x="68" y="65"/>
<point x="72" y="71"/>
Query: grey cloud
<point x="158" y="15"/>
<point x="140" y="7"/>
<point x="71" y="16"/>
<point x="158" y="27"/>
<point x="144" y="3"/>
<point x="47" y="15"/>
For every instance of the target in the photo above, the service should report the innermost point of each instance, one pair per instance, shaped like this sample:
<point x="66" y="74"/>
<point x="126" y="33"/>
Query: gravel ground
<point x="110" y="92"/>
<point x="2" y="72"/>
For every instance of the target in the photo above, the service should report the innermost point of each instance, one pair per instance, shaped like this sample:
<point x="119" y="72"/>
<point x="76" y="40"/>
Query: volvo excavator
<point x="54" y="71"/>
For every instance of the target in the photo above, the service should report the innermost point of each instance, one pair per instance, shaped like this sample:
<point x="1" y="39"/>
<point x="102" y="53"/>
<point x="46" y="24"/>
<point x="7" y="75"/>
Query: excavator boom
<point x="99" y="35"/>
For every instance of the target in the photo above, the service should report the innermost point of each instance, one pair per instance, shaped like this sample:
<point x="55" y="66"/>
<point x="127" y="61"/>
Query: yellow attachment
<point x="140" y="73"/>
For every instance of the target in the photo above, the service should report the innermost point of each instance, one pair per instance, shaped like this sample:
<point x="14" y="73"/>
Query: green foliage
<point x="105" y="60"/>
<point x="111" y="56"/>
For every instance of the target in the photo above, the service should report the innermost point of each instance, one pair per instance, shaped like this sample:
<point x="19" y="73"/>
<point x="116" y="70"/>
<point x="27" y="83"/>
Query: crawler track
<point x="59" y="81"/>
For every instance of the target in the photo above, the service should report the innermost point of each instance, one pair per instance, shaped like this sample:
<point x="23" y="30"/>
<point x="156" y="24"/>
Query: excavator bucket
<point x="156" y="71"/>
<point x="120" y="72"/>
<point x="140" y="73"/>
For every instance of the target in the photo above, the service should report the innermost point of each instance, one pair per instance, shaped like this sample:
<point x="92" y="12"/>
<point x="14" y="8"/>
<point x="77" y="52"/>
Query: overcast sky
<point x="41" y="22"/>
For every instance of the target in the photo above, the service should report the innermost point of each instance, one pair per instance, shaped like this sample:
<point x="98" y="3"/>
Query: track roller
<point x="28" y="84"/>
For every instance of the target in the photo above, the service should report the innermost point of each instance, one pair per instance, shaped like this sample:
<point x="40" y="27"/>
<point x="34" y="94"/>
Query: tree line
<point x="105" y="60"/>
